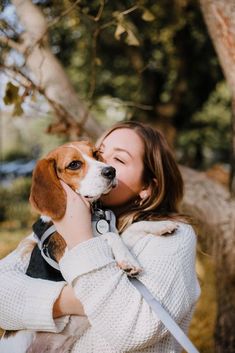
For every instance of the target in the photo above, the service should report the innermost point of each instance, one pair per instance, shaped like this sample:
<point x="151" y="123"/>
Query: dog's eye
<point x="74" y="165"/>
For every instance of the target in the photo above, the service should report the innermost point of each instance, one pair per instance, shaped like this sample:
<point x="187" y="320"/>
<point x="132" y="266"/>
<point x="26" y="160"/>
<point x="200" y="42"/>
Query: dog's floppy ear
<point x="47" y="195"/>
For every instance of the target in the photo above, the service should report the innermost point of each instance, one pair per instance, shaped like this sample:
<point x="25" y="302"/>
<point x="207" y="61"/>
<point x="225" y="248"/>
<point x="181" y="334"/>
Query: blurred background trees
<point x="71" y="68"/>
<point x="150" y="61"/>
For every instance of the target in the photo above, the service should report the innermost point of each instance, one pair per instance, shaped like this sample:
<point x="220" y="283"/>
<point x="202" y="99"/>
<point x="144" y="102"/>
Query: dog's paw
<point x="130" y="269"/>
<point x="167" y="227"/>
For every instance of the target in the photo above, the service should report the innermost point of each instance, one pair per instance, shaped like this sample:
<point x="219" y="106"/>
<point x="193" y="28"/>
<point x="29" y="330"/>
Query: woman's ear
<point x="47" y="195"/>
<point x="147" y="191"/>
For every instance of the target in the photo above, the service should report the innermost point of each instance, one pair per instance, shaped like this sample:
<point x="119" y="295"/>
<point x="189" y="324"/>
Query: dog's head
<point x="76" y="164"/>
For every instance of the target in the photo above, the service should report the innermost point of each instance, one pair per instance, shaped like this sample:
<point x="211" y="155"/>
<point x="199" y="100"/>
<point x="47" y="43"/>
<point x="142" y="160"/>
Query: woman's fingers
<point x="67" y="188"/>
<point x="75" y="226"/>
<point x="71" y="193"/>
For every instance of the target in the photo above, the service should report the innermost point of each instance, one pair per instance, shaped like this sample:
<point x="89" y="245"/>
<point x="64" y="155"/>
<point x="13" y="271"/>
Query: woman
<point x="149" y="189"/>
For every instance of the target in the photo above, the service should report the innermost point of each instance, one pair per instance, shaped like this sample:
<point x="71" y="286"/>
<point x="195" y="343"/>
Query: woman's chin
<point x="107" y="199"/>
<point x="112" y="199"/>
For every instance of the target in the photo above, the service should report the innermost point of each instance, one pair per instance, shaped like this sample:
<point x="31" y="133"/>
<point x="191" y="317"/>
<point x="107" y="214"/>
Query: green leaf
<point x="98" y="61"/>
<point x="18" y="110"/>
<point x="119" y="31"/>
<point x="11" y="94"/>
<point x="131" y="39"/>
<point x="148" y="16"/>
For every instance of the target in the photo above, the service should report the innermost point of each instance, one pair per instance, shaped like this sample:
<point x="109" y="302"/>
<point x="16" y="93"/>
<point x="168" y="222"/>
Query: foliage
<point x="155" y="58"/>
<point x="31" y="143"/>
<point x="201" y="140"/>
<point x="12" y="97"/>
<point x="14" y="202"/>
<point x="16" y="154"/>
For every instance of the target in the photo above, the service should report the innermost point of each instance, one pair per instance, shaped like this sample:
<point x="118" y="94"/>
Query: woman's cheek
<point x="125" y="189"/>
<point x="119" y="195"/>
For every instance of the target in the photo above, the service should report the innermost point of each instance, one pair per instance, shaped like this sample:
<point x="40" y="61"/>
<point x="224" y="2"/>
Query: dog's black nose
<point x="108" y="172"/>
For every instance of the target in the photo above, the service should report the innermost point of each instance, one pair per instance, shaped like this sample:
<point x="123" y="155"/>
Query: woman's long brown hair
<point x="160" y="172"/>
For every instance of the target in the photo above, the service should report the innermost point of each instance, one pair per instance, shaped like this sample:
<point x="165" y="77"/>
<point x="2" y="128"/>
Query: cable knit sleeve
<point x="25" y="302"/>
<point x="114" y="307"/>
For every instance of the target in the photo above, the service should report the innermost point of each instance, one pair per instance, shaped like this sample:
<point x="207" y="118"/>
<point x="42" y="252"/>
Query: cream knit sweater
<point x="119" y="318"/>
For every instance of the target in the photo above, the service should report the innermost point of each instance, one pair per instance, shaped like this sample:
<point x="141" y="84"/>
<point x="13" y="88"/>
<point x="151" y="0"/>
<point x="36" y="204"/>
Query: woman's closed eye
<point x="119" y="160"/>
<point x="101" y="153"/>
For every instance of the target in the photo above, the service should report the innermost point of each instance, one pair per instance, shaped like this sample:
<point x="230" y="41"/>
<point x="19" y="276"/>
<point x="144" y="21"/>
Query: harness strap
<point x="43" y="248"/>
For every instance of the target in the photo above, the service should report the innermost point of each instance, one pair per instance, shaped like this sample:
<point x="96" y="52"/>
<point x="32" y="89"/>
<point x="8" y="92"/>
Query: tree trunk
<point x="219" y="16"/>
<point x="232" y="178"/>
<point x="213" y="209"/>
<point x="47" y="72"/>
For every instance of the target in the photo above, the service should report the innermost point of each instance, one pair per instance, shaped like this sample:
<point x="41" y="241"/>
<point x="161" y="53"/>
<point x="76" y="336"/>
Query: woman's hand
<point x="75" y="226"/>
<point x="67" y="304"/>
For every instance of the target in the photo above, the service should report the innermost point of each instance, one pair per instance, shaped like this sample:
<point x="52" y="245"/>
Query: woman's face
<point x="123" y="149"/>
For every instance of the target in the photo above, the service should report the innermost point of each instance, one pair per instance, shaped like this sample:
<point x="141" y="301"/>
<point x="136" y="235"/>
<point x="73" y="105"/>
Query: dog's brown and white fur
<point x="77" y="165"/>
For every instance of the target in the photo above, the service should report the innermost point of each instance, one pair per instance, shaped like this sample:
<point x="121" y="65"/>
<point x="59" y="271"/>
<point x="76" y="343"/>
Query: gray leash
<point x="163" y="315"/>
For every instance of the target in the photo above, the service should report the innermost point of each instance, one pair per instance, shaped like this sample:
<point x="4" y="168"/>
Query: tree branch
<point x="64" y="117"/>
<point x="12" y="44"/>
<point x="34" y="22"/>
<point x="66" y="12"/>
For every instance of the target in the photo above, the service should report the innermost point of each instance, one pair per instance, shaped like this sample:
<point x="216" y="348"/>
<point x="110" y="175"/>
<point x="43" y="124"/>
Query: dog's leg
<point x="62" y="342"/>
<point x="121" y="245"/>
<point x="16" y="343"/>
<point x="125" y="260"/>
<point x="131" y="235"/>
<point x="165" y="227"/>
<point x="46" y="342"/>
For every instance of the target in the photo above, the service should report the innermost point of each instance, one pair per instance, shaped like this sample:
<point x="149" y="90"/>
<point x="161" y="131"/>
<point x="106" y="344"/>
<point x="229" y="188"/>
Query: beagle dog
<point x="79" y="166"/>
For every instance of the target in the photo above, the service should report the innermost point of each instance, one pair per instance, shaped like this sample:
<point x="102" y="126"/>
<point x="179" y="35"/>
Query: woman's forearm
<point x="67" y="304"/>
<point x="22" y="295"/>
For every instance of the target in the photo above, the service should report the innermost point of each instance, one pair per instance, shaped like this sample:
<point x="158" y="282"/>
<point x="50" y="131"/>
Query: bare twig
<point x="94" y="52"/>
<point x="66" y="12"/>
<point x="7" y="25"/>
<point x="99" y="14"/>
<point x="93" y="64"/>
<point x="138" y="105"/>
<point x="131" y="9"/>
<point x="63" y="115"/>
<point x="11" y="43"/>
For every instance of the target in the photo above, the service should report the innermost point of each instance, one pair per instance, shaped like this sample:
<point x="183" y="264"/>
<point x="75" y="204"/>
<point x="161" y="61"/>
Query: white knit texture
<point x="120" y="319"/>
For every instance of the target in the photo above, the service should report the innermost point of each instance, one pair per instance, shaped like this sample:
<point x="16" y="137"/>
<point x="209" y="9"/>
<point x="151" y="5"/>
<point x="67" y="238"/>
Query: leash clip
<point x="103" y="221"/>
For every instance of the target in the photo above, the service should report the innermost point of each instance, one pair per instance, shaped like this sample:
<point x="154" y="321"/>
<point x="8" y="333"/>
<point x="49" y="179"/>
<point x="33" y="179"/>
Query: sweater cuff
<point x="40" y="299"/>
<point x="87" y="256"/>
